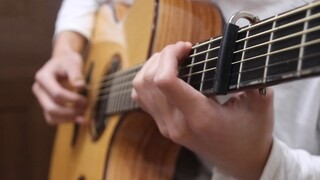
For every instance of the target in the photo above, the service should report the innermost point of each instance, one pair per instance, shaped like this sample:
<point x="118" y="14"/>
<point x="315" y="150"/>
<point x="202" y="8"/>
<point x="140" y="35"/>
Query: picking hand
<point x="56" y="85"/>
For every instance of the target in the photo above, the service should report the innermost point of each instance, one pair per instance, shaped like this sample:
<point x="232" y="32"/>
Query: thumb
<point x="258" y="101"/>
<point x="75" y="73"/>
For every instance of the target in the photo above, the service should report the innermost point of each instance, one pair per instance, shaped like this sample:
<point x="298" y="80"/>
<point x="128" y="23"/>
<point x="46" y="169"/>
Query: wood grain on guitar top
<point x="130" y="146"/>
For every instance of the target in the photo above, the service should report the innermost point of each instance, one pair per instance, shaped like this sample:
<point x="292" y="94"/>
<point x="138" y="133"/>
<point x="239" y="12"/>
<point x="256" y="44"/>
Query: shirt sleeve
<point x="76" y="15"/>
<point x="293" y="164"/>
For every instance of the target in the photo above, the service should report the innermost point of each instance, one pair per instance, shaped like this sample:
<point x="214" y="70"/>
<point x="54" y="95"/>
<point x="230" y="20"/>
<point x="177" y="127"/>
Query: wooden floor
<point x="26" y="28"/>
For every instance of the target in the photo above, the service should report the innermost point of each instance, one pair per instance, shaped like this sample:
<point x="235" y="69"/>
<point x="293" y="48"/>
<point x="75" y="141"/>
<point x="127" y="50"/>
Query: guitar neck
<point x="282" y="48"/>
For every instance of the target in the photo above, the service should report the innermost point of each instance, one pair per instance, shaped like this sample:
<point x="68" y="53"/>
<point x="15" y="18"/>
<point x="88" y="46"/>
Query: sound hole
<point x="100" y="118"/>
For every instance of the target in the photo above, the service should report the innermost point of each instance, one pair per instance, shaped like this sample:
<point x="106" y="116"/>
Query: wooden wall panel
<point x="26" y="28"/>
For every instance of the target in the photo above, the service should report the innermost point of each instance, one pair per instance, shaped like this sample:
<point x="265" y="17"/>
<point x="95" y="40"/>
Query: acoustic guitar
<point x="122" y="142"/>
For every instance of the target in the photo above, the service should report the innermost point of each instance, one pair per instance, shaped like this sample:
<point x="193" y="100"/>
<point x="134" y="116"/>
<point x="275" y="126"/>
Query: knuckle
<point x="163" y="80"/>
<point x="168" y="49"/>
<point x="137" y="83"/>
<point x="164" y="132"/>
<point x="199" y="125"/>
<point x="58" y="96"/>
<point x="177" y="136"/>
<point x="148" y="77"/>
<point x="51" y="110"/>
<point x="38" y="76"/>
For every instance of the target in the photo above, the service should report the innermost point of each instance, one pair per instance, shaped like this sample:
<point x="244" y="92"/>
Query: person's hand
<point x="235" y="136"/>
<point x="56" y="87"/>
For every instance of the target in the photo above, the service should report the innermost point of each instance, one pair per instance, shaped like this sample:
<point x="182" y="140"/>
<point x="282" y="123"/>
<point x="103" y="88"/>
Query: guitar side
<point x="130" y="146"/>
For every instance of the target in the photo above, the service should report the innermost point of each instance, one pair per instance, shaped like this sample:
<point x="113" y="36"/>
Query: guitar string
<point x="264" y="55"/>
<point x="253" y="47"/>
<point x="272" y="19"/>
<point x="127" y="92"/>
<point x="216" y="48"/>
<point x="127" y="86"/>
<point x="301" y="9"/>
<point x="296" y="22"/>
<point x="116" y="80"/>
<point x="252" y="27"/>
<point x="283" y="15"/>
<point x="240" y="40"/>
<point x="121" y="90"/>
<point x="138" y="67"/>
<point x="259" y="45"/>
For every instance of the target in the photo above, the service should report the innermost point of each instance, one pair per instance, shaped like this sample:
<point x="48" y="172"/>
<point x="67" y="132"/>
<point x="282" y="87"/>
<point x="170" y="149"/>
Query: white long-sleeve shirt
<point x="296" y="148"/>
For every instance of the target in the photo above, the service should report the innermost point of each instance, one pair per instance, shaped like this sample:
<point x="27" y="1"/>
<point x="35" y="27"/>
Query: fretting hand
<point x="236" y="136"/>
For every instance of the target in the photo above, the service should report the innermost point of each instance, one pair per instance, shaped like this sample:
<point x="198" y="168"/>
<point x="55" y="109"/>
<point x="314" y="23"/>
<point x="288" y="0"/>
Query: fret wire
<point x="279" y="63"/>
<point x="283" y="76"/>
<point x="277" y="17"/>
<point x="242" y="57"/>
<point x="275" y="52"/>
<point x="303" y="40"/>
<point x="265" y="32"/>
<point x="200" y="62"/>
<point x="268" y="54"/>
<point x="190" y="70"/>
<point x="282" y="50"/>
<point x="308" y="18"/>
<point x="199" y="44"/>
<point x="266" y="43"/>
<point x="262" y="33"/>
<point x="269" y="65"/>
<point x="204" y="67"/>
<point x="259" y="45"/>
<point x="308" y="6"/>
<point x="128" y="91"/>
<point x="238" y="84"/>
<point x="280" y="39"/>
<point x="198" y="72"/>
<point x="269" y="50"/>
<point x="205" y="51"/>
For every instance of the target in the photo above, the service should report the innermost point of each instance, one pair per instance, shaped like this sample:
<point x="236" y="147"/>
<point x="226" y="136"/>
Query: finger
<point x="143" y="84"/>
<point x="75" y="73"/>
<point x="48" y="82"/>
<point x="180" y="93"/>
<point x="258" y="101"/>
<point x="148" y="96"/>
<point x="54" y="112"/>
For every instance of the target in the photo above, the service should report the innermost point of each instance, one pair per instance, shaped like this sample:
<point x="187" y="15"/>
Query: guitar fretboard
<point x="274" y="50"/>
<point x="282" y="48"/>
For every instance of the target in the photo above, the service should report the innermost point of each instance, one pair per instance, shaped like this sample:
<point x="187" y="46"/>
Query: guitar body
<point x="129" y="145"/>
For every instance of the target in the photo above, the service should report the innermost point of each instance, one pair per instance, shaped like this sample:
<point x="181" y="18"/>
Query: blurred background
<point x="26" y="28"/>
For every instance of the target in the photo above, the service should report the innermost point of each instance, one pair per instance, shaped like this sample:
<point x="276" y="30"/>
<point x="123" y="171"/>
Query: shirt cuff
<point x="274" y="161"/>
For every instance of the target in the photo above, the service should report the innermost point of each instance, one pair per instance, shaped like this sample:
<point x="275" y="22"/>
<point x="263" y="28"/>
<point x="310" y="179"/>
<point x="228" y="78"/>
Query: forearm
<point x="68" y="42"/>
